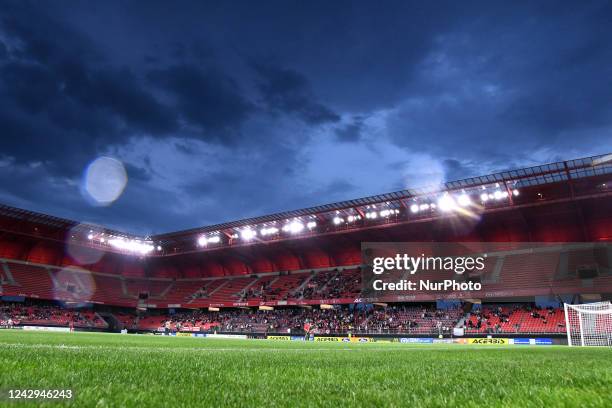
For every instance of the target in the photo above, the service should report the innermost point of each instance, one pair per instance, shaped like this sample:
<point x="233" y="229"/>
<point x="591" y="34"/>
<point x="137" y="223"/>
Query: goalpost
<point x="589" y="324"/>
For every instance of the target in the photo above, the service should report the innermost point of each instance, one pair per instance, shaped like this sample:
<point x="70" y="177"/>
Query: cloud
<point x="205" y="98"/>
<point x="287" y="91"/>
<point x="60" y="102"/>
<point x="351" y="132"/>
<point x="119" y="92"/>
<point x="512" y="97"/>
<point x="227" y="112"/>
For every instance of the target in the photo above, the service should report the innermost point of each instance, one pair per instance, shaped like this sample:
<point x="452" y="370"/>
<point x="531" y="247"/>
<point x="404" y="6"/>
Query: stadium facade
<point x="313" y="256"/>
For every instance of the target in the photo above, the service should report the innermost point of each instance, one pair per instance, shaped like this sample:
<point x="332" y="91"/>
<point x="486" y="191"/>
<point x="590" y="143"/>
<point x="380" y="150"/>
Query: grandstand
<point x="300" y="262"/>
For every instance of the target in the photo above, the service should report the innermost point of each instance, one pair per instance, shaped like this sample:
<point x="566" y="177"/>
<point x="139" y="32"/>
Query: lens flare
<point x="104" y="181"/>
<point x="78" y="244"/>
<point x="73" y="284"/>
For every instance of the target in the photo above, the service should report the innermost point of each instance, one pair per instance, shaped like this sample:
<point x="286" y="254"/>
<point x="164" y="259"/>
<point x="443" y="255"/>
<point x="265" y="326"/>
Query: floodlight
<point x="248" y="234"/>
<point x="269" y="231"/>
<point x="294" y="227"/>
<point x="446" y="203"/>
<point x="464" y="200"/>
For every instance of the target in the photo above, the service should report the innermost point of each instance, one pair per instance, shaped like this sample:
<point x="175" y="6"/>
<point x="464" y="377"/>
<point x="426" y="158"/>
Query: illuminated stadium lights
<point x="499" y="195"/>
<point x="447" y="203"/>
<point x="139" y="247"/>
<point x="268" y="231"/>
<point x="385" y="213"/>
<point x="294" y="227"/>
<point x="464" y="200"/>
<point x="496" y="195"/>
<point x="248" y="234"/>
<point x="203" y="241"/>
<point x="388" y="212"/>
<point x="456" y="196"/>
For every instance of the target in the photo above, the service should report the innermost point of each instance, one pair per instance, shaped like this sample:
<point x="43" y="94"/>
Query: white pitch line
<point x="232" y="349"/>
<point x="160" y="349"/>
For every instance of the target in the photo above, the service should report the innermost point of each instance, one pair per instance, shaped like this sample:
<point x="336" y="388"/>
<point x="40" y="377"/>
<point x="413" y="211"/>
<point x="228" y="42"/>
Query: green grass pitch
<point x="108" y="370"/>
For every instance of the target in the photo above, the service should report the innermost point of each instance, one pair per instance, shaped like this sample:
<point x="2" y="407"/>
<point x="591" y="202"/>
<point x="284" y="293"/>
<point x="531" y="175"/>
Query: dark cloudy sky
<point x="223" y="110"/>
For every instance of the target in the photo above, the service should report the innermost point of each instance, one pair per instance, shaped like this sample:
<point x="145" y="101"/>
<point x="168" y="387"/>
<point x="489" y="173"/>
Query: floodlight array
<point x="293" y="227"/>
<point x="247" y="234"/>
<point x="268" y="231"/>
<point x="461" y="202"/>
<point x="130" y="245"/>
<point x="210" y="239"/>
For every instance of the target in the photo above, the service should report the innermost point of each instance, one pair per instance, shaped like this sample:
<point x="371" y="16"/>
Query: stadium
<point x="255" y="293"/>
<point x="305" y="204"/>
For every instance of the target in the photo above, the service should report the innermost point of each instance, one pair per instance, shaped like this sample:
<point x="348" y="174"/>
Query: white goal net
<point x="589" y="324"/>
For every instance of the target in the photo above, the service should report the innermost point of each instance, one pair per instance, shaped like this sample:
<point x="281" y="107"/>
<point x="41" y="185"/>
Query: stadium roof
<point x="530" y="176"/>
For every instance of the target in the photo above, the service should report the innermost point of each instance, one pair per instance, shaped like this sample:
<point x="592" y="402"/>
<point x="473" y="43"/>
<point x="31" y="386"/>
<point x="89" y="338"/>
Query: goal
<point x="589" y="324"/>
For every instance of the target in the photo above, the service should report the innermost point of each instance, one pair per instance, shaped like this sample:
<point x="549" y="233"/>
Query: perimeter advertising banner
<point x="281" y="338"/>
<point x="489" y="341"/>
<point x="47" y="328"/>
<point x="416" y="340"/>
<point x="343" y="339"/>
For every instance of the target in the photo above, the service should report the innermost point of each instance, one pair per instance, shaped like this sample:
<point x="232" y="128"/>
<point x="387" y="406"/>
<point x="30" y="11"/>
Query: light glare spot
<point x="104" y="181"/>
